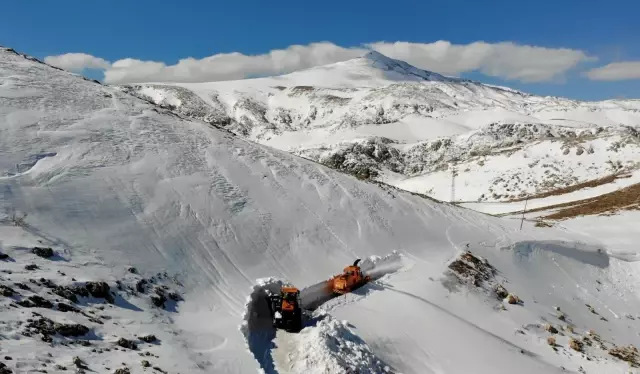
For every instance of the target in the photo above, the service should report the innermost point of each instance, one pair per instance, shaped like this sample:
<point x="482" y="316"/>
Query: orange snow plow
<point x="349" y="280"/>
<point x="286" y="310"/>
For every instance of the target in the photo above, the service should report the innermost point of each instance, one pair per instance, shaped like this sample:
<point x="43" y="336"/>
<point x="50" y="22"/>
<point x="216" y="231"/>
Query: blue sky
<point x="167" y="31"/>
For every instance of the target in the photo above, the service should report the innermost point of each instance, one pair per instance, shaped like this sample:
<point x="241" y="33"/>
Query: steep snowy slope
<point x="379" y="118"/>
<point x="109" y="182"/>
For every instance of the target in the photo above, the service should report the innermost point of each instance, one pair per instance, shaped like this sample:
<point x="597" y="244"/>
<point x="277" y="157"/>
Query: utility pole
<point x="525" y="209"/>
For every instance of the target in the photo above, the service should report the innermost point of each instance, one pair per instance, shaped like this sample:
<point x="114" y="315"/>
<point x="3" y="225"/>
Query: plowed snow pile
<point x="328" y="347"/>
<point x="110" y="182"/>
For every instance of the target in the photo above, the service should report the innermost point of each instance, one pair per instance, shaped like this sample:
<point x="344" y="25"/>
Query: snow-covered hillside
<point x="160" y="225"/>
<point x="376" y="117"/>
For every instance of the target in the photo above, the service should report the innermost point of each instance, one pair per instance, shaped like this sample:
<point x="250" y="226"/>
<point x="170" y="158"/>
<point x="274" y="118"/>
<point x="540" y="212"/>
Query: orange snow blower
<point x="286" y="310"/>
<point x="349" y="280"/>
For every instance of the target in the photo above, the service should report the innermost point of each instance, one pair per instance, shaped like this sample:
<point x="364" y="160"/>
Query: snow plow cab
<point x="286" y="311"/>
<point x="349" y="280"/>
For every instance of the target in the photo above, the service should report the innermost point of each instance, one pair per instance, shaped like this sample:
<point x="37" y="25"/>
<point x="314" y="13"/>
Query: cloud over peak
<point x="505" y="60"/>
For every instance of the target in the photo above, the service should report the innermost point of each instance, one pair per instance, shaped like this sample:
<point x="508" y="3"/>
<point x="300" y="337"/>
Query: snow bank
<point x="328" y="347"/>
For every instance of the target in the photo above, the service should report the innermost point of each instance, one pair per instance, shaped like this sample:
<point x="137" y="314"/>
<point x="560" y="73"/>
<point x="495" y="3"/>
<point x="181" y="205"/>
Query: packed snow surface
<point x="110" y="182"/>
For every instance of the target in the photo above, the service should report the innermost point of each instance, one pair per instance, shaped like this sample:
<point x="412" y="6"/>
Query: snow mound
<point x="328" y="347"/>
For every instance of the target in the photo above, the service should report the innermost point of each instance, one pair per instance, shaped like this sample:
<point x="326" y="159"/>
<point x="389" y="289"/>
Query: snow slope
<point x="110" y="181"/>
<point x="427" y="122"/>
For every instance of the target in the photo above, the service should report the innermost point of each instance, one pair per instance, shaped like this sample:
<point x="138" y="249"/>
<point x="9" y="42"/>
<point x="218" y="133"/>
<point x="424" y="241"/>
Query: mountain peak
<point x="376" y="56"/>
<point x="397" y="69"/>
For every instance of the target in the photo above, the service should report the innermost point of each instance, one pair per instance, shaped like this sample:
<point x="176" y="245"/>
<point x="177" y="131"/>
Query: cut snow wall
<point x="257" y="325"/>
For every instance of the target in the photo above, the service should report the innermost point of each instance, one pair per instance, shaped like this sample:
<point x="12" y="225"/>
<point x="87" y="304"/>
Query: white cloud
<point x="616" y="71"/>
<point x="504" y="60"/>
<point x="227" y="66"/>
<point x="77" y="62"/>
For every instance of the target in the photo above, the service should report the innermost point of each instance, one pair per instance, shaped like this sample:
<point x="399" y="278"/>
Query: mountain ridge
<point x="414" y="110"/>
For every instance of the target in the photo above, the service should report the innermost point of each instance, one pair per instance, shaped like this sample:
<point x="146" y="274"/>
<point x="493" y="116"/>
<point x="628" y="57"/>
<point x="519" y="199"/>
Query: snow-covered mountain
<point x="132" y="240"/>
<point x="380" y="118"/>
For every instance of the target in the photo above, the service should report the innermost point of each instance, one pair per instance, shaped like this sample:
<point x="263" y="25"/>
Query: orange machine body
<point x="350" y="279"/>
<point x="289" y="298"/>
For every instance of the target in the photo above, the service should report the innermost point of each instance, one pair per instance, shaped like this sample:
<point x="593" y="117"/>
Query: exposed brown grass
<point x="627" y="198"/>
<point x="588" y="184"/>
<point x="549" y="328"/>
<point x="513" y="299"/>
<point x="575" y="344"/>
<point x="628" y="354"/>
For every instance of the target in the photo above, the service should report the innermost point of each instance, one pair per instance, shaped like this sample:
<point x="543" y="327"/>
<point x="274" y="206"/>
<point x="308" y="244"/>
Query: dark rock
<point x="122" y="371"/>
<point x="158" y="300"/>
<point x="31" y="267"/>
<point x="77" y="361"/>
<point x="100" y="290"/>
<point x="501" y="292"/>
<point x="60" y="367"/>
<point x="4" y="256"/>
<point x="73" y="329"/>
<point x="22" y="286"/>
<point x="145" y="363"/>
<point x="80" y="291"/>
<point x="126" y="343"/>
<point x="46" y="338"/>
<point x="148" y="338"/>
<point x="47" y="327"/>
<point x="66" y="292"/>
<point x="4" y="369"/>
<point x="6" y="291"/>
<point x="8" y="358"/>
<point x="141" y="285"/>
<point x="160" y="370"/>
<point x="174" y="296"/>
<point x="36" y="301"/>
<point x="97" y="321"/>
<point x="67" y="308"/>
<point x="42" y="252"/>
<point x="47" y="283"/>
<point x="132" y="270"/>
